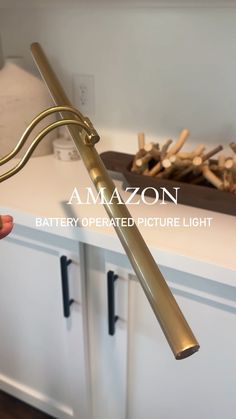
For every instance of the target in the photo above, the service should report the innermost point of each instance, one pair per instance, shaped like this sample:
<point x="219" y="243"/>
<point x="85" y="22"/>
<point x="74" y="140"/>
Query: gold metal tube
<point x="177" y="331"/>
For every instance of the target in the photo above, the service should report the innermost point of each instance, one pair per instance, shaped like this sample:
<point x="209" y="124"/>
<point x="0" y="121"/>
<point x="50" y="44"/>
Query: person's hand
<point x="6" y="225"/>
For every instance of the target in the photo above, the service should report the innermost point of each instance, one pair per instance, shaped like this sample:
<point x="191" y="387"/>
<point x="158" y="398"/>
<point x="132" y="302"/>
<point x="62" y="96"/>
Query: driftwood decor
<point x="169" y="161"/>
<point x="207" y="179"/>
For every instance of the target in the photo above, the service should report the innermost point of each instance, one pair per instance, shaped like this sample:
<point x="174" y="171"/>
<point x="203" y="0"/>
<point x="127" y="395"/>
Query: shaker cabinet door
<point x="157" y="385"/>
<point x="201" y="386"/>
<point x="42" y="353"/>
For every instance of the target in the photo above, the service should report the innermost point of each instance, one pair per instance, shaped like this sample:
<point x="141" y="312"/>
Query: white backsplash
<point x="156" y="70"/>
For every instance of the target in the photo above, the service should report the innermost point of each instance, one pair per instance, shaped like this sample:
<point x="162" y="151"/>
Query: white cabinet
<point x="73" y="368"/>
<point x="42" y="354"/>
<point x="134" y="373"/>
<point x="201" y="386"/>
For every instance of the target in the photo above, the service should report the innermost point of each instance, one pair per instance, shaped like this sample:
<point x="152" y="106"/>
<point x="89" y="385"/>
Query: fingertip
<point x="6" y="229"/>
<point x="7" y="218"/>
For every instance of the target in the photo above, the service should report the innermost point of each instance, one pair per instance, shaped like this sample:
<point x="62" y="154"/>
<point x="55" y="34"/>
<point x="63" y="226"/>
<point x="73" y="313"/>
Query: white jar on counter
<point x="64" y="149"/>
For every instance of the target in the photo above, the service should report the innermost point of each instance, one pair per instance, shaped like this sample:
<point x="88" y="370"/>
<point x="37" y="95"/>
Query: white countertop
<point x="44" y="186"/>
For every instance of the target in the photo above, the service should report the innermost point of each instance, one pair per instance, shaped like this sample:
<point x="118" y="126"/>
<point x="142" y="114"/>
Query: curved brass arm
<point x="85" y="123"/>
<point x="34" y="144"/>
<point x="176" y="329"/>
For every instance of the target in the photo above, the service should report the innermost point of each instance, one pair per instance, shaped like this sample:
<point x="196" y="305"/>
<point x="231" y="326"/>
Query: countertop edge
<point x="174" y="260"/>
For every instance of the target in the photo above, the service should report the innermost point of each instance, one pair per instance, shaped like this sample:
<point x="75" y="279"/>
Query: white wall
<point x="157" y="70"/>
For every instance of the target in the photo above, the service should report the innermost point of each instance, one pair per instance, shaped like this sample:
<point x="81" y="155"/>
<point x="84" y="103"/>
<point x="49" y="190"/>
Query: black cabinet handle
<point x="65" y="286"/>
<point x="112" y="318"/>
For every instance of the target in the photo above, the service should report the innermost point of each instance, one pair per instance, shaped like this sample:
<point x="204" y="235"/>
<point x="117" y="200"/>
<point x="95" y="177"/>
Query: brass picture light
<point x="176" y="329"/>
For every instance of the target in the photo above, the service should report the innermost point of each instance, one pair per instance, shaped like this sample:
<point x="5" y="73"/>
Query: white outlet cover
<point x="83" y="93"/>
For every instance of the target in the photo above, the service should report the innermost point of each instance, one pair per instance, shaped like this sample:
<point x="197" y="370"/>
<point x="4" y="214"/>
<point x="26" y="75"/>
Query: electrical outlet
<point x="83" y="91"/>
